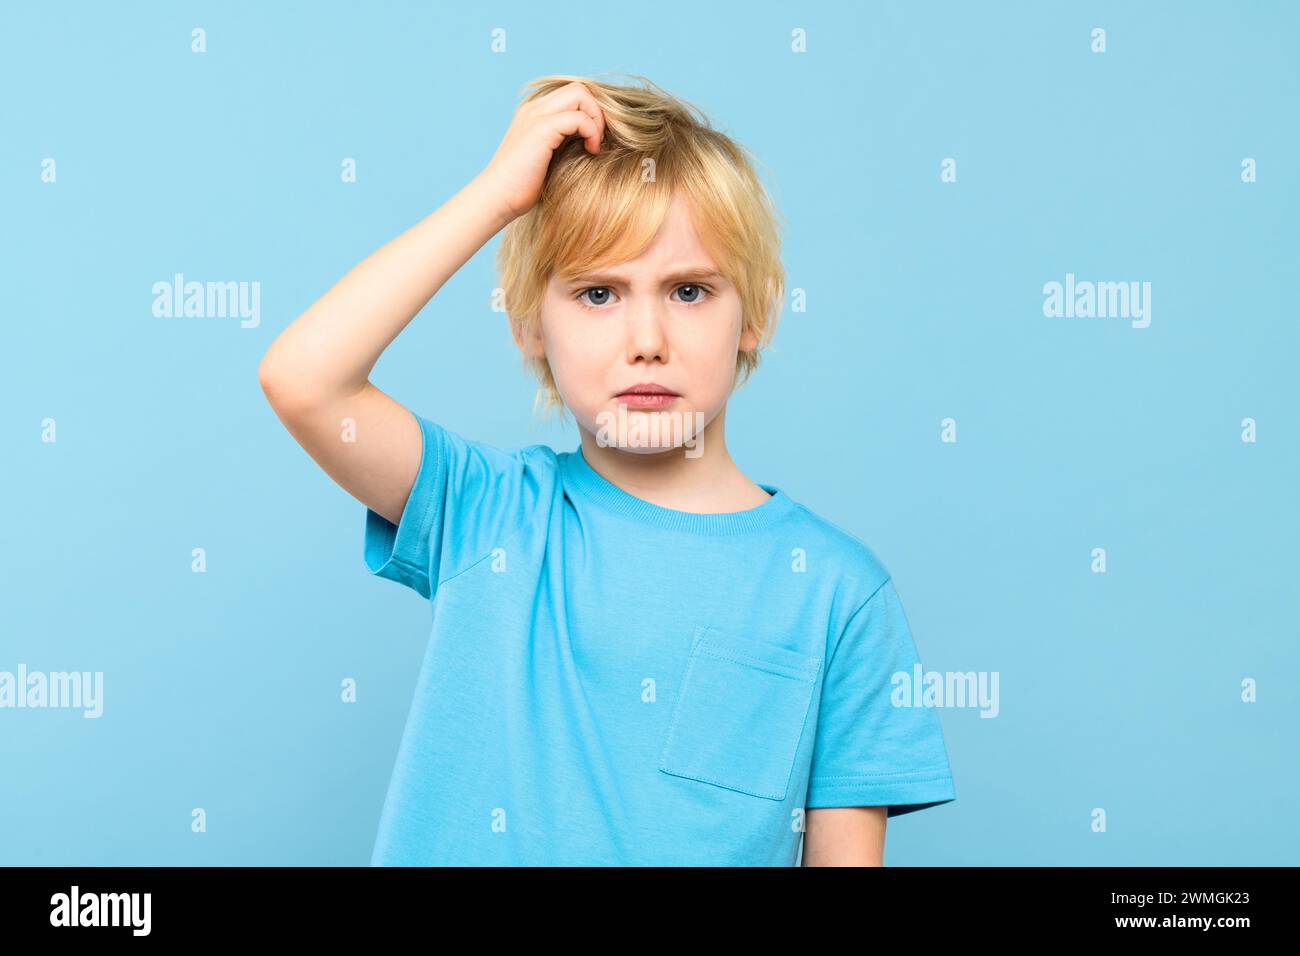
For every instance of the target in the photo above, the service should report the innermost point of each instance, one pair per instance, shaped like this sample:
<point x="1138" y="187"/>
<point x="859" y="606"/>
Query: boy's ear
<point x="530" y="342"/>
<point x="748" y="340"/>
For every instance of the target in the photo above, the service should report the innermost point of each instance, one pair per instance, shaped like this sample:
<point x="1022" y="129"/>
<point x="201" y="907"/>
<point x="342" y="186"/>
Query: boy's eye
<point x="601" y="294"/>
<point x="696" y="292"/>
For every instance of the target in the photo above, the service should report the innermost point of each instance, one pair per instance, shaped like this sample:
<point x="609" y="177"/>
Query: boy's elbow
<point x="294" y="391"/>
<point x="278" y="387"/>
<point x="266" y="375"/>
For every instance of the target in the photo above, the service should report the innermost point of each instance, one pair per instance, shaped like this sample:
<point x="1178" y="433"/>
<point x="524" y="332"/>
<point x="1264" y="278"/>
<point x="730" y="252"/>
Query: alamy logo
<point x="58" y="689"/>
<point x="102" y="909"/>
<point x="946" y="689"/>
<point x="209" y="300"/>
<point x="662" y="429"/>
<point x="1102" y="300"/>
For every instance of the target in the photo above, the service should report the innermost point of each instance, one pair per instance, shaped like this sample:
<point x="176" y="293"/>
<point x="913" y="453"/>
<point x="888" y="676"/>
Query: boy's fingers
<point x="574" y="121"/>
<point x="575" y="96"/>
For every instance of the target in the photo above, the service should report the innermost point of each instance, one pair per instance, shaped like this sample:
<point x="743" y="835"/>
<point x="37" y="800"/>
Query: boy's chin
<point x="646" y="431"/>
<point x="649" y="450"/>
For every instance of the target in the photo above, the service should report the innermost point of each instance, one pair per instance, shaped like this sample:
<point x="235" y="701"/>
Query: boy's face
<point x="666" y="318"/>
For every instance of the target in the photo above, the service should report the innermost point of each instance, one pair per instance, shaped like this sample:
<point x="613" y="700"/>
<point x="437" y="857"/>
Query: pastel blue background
<point x="1119" y="691"/>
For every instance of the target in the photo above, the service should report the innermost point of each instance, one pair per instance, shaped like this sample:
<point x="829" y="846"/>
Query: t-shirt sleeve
<point x="872" y="748"/>
<point x="468" y="499"/>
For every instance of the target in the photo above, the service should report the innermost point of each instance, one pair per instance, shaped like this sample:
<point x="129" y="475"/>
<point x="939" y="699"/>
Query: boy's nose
<point x="646" y="331"/>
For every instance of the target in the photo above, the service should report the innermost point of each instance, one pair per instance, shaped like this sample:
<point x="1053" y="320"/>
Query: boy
<point x="638" y="655"/>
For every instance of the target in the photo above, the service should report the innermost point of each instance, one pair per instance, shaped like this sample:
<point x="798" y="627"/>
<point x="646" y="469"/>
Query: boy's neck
<point x="708" y="483"/>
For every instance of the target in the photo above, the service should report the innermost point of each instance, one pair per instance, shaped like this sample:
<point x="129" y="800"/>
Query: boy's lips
<point x="647" y="395"/>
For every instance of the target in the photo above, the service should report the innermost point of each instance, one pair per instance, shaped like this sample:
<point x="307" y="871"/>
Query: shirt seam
<point x="608" y="509"/>
<point x="917" y="775"/>
<point x="830" y="658"/>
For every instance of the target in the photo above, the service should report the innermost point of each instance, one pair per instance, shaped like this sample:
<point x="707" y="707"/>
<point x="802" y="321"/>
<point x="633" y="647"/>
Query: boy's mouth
<point x="647" y="395"/>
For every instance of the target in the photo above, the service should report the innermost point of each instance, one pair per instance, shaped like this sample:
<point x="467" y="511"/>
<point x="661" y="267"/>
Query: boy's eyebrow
<point x="693" y="274"/>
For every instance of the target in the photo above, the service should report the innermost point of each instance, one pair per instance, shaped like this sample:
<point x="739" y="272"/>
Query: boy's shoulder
<point x="863" y="570"/>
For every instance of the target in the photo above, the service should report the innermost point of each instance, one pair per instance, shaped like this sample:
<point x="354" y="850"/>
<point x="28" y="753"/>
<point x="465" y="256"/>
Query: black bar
<point x="236" y="904"/>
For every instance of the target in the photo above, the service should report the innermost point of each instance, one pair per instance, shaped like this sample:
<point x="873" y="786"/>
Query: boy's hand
<point x="518" y="168"/>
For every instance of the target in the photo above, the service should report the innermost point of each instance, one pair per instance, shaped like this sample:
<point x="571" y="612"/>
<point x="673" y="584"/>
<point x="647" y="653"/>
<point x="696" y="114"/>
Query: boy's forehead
<point x="676" y="250"/>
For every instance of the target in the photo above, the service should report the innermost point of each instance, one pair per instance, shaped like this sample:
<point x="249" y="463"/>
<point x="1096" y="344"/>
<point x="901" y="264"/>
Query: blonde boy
<point x="638" y="655"/>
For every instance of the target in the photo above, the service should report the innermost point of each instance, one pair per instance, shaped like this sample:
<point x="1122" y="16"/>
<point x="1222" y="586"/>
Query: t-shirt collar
<point x="580" y="477"/>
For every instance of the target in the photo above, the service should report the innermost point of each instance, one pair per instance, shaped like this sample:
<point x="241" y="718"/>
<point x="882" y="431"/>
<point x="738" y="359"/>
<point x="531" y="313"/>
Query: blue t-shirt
<point x="611" y="682"/>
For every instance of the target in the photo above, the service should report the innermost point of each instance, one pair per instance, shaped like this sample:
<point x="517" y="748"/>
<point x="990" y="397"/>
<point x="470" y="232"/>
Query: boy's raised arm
<point x="316" y="373"/>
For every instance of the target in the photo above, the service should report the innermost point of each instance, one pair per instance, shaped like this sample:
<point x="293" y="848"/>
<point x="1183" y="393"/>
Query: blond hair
<point x="598" y="210"/>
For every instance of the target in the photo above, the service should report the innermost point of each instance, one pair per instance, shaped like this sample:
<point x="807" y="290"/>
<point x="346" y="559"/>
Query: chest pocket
<point x="740" y="714"/>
